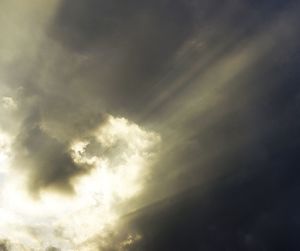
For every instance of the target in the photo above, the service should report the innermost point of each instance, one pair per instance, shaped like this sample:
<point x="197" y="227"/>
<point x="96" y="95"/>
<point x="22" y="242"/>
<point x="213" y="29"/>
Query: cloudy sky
<point x="143" y="125"/>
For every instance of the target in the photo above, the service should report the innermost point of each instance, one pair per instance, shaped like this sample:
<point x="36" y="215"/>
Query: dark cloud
<point x="251" y="205"/>
<point x="255" y="214"/>
<point x="241" y="154"/>
<point x="52" y="249"/>
<point x="42" y="148"/>
<point x="130" y="44"/>
<point x="4" y="246"/>
<point x="46" y="159"/>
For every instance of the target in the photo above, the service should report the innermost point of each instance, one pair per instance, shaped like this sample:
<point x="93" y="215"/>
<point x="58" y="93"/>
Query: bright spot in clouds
<point x="5" y="151"/>
<point x="121" y="153"/>
<point x="9" y="103"/>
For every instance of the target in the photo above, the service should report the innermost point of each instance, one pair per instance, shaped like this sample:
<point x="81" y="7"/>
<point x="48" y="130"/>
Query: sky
<point x="157" y="125"/>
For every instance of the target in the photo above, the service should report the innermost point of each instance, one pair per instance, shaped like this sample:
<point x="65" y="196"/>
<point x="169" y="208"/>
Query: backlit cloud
<point x="117" y="175"/>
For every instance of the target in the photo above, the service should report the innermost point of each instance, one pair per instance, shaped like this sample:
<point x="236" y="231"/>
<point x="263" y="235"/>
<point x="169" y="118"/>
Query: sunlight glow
<point x="66" y="222"/>
<point x="5" y="151"/>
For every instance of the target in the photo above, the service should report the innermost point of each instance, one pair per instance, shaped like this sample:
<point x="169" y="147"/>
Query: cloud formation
<point x="89" y="89"/>
<point x="114" y="161"/>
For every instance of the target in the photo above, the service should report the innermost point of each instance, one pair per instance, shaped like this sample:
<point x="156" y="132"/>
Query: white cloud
<point x="67" y="222"/>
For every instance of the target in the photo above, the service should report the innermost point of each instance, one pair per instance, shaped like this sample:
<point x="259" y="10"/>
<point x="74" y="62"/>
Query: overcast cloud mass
<point x="143" y="125"/>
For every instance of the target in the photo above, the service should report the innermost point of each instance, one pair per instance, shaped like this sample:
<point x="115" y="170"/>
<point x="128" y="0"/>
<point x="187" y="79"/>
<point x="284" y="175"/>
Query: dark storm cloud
<point x="258" y="212"/>
<point x="243" y="149"/>
<point x="130" y="50"/>
<point x="130" y="44"/>
<point x="252" y="207"/>
<point x="225" y="110"/>
<point x="136" y="50"/>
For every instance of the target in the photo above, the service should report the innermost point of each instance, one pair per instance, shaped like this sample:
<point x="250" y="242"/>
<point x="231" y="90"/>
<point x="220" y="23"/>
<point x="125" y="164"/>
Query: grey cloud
<point x="4" y="246"/>
<point x="42" y="145"/>
<point x="129" y="45"/>
<point x="95" y="59"/>
<point x="53" y="249"/>
<point x="45" y="159"/>
<point x="52" y="117"/>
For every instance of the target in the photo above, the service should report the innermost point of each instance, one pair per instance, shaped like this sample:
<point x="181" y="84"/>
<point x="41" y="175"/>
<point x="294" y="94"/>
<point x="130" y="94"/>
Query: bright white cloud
<point x="67" y="222"/>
